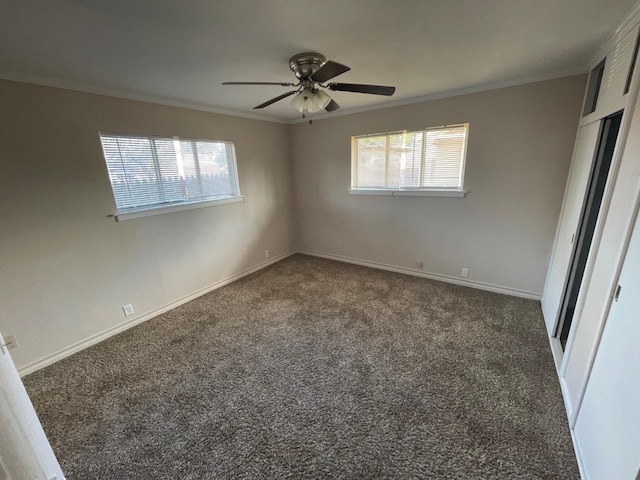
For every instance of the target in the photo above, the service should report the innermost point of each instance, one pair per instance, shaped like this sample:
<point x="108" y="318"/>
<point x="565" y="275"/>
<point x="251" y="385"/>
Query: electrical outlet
<point x="465" y="272"/>
<point x="419" y="264"/>
<point x="266" y="254"/>
<point x="128" y="310"/>
<point x="10" y="342"/>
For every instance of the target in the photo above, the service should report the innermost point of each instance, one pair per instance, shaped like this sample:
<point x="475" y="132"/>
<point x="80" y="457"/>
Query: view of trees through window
<point x="146" y="171"/>
<point x="425" y="159"/>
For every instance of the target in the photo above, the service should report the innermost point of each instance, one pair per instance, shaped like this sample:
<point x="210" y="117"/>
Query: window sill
<point x="162" y="209"/>
<point x="409" y="193"/>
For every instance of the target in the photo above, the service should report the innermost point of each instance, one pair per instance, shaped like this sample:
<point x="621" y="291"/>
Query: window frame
<point x="409" y="191"/>
<point x="122" y="214"/>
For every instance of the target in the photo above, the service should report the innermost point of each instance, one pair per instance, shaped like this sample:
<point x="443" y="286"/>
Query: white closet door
<point x="25" y="452"/>
<point x="583" y="156"/>
<point x="608" y="426"/>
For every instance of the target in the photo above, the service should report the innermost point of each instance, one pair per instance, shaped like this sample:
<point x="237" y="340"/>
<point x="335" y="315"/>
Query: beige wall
<point x="519" y="150"/>
<point x="66" y="268"/>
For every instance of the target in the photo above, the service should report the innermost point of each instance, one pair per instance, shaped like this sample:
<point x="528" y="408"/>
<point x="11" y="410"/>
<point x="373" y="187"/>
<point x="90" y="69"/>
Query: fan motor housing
<point x="306" y="64"/>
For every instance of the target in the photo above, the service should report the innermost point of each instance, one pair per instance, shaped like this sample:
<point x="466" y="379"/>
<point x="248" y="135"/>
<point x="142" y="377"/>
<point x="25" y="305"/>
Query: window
<point x="151" y="175"/>
<point x="425" y="162"/>
<point x="593" y="88"/>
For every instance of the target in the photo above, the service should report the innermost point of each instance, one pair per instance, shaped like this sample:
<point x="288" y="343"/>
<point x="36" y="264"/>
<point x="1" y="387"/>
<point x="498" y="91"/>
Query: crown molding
<point x="128" y="95"/>
<point x="447" y="94"/>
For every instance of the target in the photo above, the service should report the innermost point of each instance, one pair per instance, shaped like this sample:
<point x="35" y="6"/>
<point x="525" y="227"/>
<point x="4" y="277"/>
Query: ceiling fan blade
<point x="333" y="105"/>
<point x="274" y="100"/>
<point x="283" y="84"/>
<point x="360" y="88"/>
<point x="329" y="70"/>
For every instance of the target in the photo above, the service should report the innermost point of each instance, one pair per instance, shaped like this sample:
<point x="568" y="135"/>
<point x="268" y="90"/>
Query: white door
<point x="25" y="453"/>
<point x="574" y="197"/>
<point x="608" y="425"/>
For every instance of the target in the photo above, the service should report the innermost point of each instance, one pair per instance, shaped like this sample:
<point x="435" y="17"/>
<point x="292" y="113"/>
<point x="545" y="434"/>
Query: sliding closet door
<point x="25" y="452"/>
<point x="608" y="426"/>
<point x="569" y="219"/>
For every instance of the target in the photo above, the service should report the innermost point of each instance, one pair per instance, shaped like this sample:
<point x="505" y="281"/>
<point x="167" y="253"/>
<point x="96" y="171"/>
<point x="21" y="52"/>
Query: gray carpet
<point x="316" y="369"/>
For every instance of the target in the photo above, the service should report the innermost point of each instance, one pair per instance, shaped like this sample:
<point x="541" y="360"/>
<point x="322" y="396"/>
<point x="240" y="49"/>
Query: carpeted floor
<point x="316" y="369"/>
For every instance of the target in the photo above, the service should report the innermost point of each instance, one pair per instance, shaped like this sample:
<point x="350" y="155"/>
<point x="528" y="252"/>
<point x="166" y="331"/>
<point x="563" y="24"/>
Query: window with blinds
<point x="424" y="160"/>
<point x="149" y="172"/>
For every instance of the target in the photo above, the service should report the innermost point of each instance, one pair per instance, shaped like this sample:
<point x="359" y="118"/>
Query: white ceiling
<point x="180" y="51"/>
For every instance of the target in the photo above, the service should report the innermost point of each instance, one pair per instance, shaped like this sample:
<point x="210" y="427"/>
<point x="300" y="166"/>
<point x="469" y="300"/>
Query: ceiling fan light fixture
<point x="319" y="101"/>
<point x="302" y="100"/>
<point x="310" y="100"/>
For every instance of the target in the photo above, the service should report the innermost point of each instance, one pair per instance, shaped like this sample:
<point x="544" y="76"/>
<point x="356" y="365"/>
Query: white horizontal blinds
<point x="395" y="154"/>
<point x="134" y="170"/>
<point x="444" y="157"/>
<point x="168" y="176"/>
<point x="146" y="171"/>
<point x="411" y="161"/>
<point x="215" y="179"/>
<point x="117" y="173"/>
<point x="206" y="169"/>
<point x="232" y="167"/>
<point x="371" y="161"/>
<point x="425" y="159"/>
<point x="189" y="170"/>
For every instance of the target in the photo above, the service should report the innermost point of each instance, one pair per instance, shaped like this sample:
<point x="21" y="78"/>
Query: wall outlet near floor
<point x="465" y="272"/>
<point x="419" y="264"/>
<point x="128" y="310"/>
<point x="10" y="342"/>
<point x="266" y="254"/>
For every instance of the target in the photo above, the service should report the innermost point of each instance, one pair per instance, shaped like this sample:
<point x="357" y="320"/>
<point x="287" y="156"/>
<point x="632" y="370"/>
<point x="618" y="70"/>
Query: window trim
<point x="421" y="192"/>
<point x="411" y="191"/>
<point x="141" y="212"/>
<point x="172" y="207"/>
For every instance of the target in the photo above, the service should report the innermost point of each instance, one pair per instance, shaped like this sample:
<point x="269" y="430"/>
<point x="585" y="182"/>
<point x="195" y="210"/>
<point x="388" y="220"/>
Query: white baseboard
<point x="576" y="448"/>
<point x="433" y="276"/>
<point x="92" y="340"/>
<point x="571" y="422"/>
<point x="121" y="327"/>
<point x="556" y="352"/>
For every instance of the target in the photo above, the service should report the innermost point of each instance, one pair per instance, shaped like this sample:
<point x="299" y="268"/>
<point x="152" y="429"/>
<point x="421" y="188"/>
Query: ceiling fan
<point x="312" y="70"/>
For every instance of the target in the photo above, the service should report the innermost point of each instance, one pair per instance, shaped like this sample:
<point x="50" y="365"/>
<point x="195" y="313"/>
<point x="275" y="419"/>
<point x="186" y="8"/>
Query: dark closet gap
<point x="591" y="209"/>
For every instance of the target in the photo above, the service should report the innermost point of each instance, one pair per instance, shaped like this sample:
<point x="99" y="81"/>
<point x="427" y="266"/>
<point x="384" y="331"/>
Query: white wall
<point x="66" y="269"/>
<point x="519" y="149"/>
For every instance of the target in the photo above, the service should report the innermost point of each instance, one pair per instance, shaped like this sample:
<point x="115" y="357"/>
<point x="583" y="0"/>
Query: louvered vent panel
<point x="617" y="69"/>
